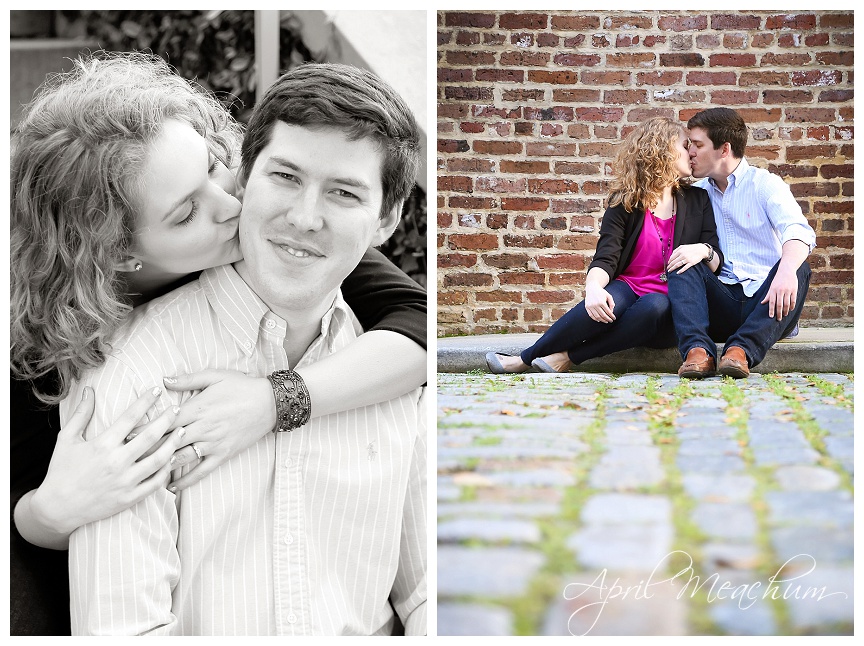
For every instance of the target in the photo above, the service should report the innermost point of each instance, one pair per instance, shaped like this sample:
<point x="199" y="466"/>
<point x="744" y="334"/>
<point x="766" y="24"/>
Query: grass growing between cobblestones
<point x="813" y="433"/>
<point x="738" y="417"/>
<point x="545" y="588"/>
<point x="662" y="411"/>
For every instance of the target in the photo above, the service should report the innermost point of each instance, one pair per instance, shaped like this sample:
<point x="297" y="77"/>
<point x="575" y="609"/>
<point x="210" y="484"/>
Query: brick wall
<point x="532" y="105"/>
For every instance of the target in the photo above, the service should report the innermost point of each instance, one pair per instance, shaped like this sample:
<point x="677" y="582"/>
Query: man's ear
<point x="387" y="225"/>
<point x="726" y="149"/>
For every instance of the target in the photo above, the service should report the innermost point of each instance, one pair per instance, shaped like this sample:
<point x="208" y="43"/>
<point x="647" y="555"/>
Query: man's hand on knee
<point x="782" y="294"/>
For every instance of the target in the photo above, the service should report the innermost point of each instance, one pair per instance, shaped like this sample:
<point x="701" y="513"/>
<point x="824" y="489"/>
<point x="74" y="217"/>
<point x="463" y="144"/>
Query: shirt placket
<point x="290" y="559"/>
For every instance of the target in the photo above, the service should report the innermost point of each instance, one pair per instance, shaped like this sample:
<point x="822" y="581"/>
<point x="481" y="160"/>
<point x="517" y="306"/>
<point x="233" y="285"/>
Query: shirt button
<point x="248" y="345"/>
<point x="289" y="462"/>
<point x="289" y="539"/>
<point x="292" y="619"/>
<point x="270" y="323"/>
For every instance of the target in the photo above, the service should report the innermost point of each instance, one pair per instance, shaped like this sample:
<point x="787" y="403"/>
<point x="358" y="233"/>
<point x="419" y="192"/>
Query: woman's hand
<point x="230" y="414"/>
<point x="599" y="304"/>
<point x="686" y="256"/>
<point x="89" y="480"/>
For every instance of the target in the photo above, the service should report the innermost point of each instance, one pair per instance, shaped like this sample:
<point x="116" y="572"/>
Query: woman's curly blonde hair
<point x="77" y="157"/>
<point x="646" y="164"/>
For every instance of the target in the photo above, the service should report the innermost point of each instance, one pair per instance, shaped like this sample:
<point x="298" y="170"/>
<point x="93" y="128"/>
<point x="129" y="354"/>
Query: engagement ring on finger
<point x="197" y="451"/>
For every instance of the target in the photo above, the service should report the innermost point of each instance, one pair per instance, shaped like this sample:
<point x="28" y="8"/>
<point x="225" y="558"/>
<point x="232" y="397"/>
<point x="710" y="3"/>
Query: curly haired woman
<point x="655" y="223"/>
<point x="87" y="246"/>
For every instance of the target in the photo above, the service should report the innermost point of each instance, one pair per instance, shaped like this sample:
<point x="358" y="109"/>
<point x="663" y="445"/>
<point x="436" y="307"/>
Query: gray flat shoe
<point x="495" y="366"/>
<point x="542" y="366"/>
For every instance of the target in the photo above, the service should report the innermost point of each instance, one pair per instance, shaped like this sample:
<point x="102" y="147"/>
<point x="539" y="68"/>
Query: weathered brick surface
<point x="532" y="104"/>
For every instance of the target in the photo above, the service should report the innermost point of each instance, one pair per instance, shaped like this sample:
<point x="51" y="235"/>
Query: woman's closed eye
<point x="191" y="216"/>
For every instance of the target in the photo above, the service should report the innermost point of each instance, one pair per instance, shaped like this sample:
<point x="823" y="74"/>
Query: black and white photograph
<point x="218" y="410"/>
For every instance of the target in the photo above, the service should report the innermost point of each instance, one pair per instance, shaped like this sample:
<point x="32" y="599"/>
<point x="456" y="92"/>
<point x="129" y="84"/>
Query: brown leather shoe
<point x="733" y="363"/>
<point x="698" y="364"/>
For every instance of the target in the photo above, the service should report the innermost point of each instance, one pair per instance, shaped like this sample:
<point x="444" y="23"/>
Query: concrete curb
<point x="813" y="350"/>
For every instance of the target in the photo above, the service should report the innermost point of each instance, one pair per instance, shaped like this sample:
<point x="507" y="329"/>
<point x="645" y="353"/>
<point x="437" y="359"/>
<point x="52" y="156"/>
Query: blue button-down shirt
<point x="755" y="216"/>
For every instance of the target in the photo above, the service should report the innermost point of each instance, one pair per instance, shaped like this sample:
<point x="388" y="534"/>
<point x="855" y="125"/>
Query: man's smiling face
<point x="311" y="209"/>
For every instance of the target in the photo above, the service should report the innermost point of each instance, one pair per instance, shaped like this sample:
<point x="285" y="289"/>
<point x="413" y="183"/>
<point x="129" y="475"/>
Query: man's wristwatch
<point x="710" y="252"/>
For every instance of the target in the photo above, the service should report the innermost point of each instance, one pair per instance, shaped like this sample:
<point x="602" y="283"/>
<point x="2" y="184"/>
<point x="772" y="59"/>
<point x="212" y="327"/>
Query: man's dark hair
<point x="331" y="95"/>
<point x="722" y="125"/>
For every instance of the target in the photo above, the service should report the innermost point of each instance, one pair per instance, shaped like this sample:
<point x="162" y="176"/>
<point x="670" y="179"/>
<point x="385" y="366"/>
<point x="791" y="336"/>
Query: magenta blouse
<point x="646" y="265"/>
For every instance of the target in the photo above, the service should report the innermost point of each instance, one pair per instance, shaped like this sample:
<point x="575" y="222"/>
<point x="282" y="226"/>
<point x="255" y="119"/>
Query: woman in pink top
<point x="655" y="223"/>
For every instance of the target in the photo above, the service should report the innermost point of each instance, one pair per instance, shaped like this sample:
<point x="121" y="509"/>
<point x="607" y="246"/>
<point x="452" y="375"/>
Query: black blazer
<point x="620" y="230"/>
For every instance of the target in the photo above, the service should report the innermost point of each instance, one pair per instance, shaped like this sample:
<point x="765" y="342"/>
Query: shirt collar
<point x="243" y="313"/>
<point x="736" y="176"/>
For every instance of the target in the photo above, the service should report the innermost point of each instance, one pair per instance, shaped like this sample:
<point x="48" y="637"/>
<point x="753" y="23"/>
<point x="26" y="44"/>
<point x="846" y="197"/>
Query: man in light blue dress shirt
<point x="758" y="297"/>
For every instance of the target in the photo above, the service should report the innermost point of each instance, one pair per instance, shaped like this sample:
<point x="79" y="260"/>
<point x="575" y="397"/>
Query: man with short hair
<point x="758" y="297"/>
<point x="320" y="530"/>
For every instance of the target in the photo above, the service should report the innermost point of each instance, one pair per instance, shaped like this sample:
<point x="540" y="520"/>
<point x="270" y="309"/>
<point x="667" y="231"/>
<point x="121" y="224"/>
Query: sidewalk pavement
<point x="813" y="350"/>
<point x="567" y="504"/>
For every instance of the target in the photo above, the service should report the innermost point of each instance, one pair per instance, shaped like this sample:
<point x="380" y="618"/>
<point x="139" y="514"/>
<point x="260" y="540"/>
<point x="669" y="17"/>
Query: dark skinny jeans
<point x="639" y="321"/>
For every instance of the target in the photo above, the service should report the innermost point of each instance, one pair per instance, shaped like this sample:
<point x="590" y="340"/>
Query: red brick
<point x="625" y="97"/>
<point x="552" y="113"/>
<point x="606" y="77"/>
<point x="562" y="261"/>
<point x="691" y="59"/>
<point x="472" y="59"/>
<point x="555" y="78"/>
<point x="523" y="21"/>
<point x="459" y="93"/>
<point x="548" y="40"/>
<point x="835" y="58"/>
<point x="457" y="259"/>
<point x="682" y="23"/>
<point x="842" y="21"/>
<point x="627" y="21"/>
<point x="735" y="21"/>
<point x="761" y="40"/>
<point x="444" y="37"/>
<point x="493" y="39"/>
<point x="575" y="23"/>
<point x="782" y="97"/>
<point x="526" y="167"/>
<point x="575" y="206"/>
<point x="565" y="59"/>
<point x="602" y="149"/>
<point x="836" y="96"/>
<point x="817" y="77"/>
<point x="499" y="185"/>
<point x="771" y="59"/>
<point x="521" y="278"/>
<point x="764" y="78"/>
<point x="523" y="222"/>
<point x="463" y="202"/>
<point x="483" y="20"/>
<point x="450" y="75"/>
<point x="500" y="76"/>
<point x="577" y="168"/>
<point x="538" y="149"/>
<point x="475" y="165"/>
<point x="456" y="184"/>
<point x="711" y="78"/>
<point x="835" y="208"/>
<point x="523" y="95"/>
<point x="734" y="97"/>
<point x="452" y="110"/>
<point x="757" y="115"/>
<point x="472" y="127"/>
<point x="451" y="298"/>
<point x="532" y="314"/>
<point x="819" y="189"/>
<point x="810" y="115"/>
<point x="524" y="204"/>
<point x="552" y="187"/>
<point x="553" y="224"/>
<point x="665" y="78"/>
<point x="445" y="220"/>
<point x="576" y="95"/>
<point x="506" y="260"/>
<point x="466" y="279"/>
<point x="497" y="147"/>
<point x="496" y="220"/>
<point x="632" y="60"/>
<point x="578" y="131"/>
<point x="793" y="170"/>
<point x="530" y="242"/>
<point x="525" y="59"/>
<point x="578" y="242"/>
<point x="626" y="40"/>
<point x="485" y="314"/>
<point x="473" y="241"/>
<point x="786" y="21"/>
<point x="551" y="129"/>
<point x="549" y="296"/>
<point x="830" y="171"/>
<point x="820" y="133"/>
<point x="732" y="60"/>
<point x="735" y="41"/>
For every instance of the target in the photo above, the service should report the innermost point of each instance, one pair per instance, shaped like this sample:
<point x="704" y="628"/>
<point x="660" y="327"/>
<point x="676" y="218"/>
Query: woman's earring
<point x="138" y="265"/>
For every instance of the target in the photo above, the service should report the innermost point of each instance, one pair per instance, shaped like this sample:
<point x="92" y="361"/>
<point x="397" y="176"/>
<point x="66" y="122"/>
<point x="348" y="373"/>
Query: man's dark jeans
<point x="705" y="310"/>
<point x="639" y="321"/>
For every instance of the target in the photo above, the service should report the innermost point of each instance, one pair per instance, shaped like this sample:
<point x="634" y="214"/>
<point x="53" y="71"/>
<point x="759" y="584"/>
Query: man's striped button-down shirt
<point x="310" y="532"/>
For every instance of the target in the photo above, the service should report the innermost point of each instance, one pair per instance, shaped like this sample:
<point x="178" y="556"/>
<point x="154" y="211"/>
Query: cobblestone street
<point x="567" y="504"/>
